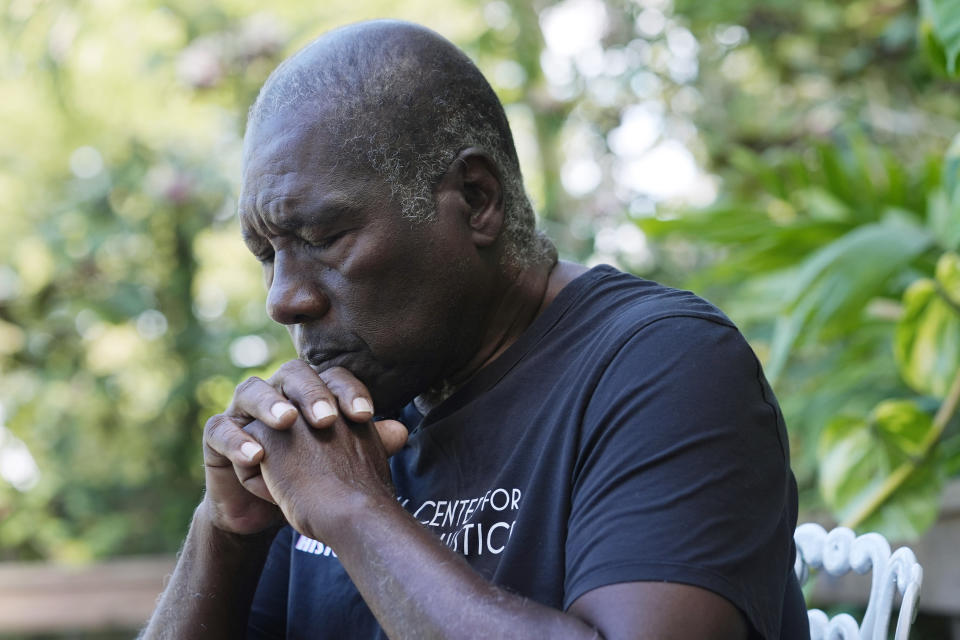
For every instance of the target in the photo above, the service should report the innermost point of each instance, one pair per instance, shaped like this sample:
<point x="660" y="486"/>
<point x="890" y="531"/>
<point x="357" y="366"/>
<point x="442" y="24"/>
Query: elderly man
<point x="590" y="454"/>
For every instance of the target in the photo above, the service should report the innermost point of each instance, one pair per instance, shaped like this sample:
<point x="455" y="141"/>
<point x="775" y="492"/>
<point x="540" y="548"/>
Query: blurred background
<point x="793" y="162"/>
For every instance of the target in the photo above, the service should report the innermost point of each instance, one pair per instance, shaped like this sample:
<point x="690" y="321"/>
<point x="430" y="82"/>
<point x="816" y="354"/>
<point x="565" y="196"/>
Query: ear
<point x="473" y="181"/>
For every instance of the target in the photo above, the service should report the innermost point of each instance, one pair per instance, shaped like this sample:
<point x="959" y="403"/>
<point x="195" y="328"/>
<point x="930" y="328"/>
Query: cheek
<point x="394" y="325"/>
<point x="401" y="294"/>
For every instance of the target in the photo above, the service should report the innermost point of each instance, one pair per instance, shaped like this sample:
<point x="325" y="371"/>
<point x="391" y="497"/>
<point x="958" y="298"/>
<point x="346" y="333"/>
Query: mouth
<point x="322" y="360"/>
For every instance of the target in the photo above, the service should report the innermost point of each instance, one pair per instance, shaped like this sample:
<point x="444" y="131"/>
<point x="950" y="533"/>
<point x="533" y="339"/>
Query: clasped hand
<point x="299" y="445"/>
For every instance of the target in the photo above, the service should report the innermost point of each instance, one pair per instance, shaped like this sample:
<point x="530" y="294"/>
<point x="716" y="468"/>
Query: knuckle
<point x="305" y="386"/>
<point x="267" y="395"/>
<point x="222" y="434"/>
<point x="214" y="425"/>
<point x="337" y="373"/>
<point x="247" y="385"/>
<point x="257" y="429"/>
<point x="318" y="390"/>
<point x="254" y="395"/>
<point x="351" y="392"/>
<point x="343" y="382"/>
<point x="291" y="367"/>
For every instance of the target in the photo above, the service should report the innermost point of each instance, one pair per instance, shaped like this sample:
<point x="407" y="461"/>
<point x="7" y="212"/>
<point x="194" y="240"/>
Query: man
<point x="590" y="454"/>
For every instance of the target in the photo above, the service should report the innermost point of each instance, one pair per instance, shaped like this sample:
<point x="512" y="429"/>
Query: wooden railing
<point x="120" y="594"/>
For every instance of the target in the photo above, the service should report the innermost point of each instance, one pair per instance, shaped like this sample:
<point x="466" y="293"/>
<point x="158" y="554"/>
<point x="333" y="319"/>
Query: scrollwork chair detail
<point x="841" y="551"/>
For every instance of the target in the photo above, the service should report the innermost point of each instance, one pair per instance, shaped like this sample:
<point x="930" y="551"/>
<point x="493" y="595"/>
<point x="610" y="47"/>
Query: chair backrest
<point x="841" y="551"/>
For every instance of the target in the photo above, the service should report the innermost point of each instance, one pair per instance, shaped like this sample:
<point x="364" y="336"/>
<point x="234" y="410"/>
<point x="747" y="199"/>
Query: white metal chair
<point x="841" y="551"/>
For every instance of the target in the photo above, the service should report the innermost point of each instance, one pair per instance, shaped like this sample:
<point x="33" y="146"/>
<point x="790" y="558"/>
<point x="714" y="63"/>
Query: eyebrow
<point x="294" y="218"/>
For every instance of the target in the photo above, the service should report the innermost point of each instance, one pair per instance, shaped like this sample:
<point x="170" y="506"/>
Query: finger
<point x="259" y="400"/>
<point x="392" y="434"/>
<point x="251" y="477"/>
<point x="252" y="480"/>
<point x="352" y="395"/>
<point x="225" y="442"/>
<point x="298" y="382"/>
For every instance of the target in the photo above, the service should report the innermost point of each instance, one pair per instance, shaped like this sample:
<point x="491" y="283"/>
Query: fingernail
<point x="280" y="409"/>
<point x="250" y="450"/>
<point x="322" y="409"/>
<point x="361" y="405"/>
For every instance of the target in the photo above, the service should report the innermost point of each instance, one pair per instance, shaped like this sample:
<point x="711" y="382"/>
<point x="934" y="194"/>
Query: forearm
<point x="418" y="588"/>
<point x="213" y="584"/>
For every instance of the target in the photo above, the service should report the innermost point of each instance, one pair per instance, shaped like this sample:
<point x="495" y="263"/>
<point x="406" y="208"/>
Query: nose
<point x="294" y="296"/>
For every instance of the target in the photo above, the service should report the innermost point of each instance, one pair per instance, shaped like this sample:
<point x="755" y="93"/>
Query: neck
<point x="526" y="294"/>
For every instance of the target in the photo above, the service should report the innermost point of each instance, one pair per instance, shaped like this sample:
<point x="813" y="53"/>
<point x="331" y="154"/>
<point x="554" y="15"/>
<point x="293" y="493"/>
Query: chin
<point x="392" y="392"/>
<point x="389" y="403"/>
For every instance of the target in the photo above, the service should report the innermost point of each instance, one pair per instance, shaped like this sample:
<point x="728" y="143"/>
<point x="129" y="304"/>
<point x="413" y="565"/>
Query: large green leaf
<point x="932" y="46"/>
<point x="950" y="173"/>
<point x="757" y="245"/>
<point x="951" y="455"/>
<point x="911" y="509"/>
<point x="948" y="278"/>
<point x="943" y="219"/>
<point x="943" y="205"/>
<point x="903" y="427"/>
<point x="941" y="20"/>
<point x="858" y="455"/>
<point x="927" y="340"/>
<point x="835" y="283"/>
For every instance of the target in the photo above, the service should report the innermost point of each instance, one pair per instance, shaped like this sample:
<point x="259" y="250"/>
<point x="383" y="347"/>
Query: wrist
<point x="355" y="514"/>
<point x="206" y="521"/>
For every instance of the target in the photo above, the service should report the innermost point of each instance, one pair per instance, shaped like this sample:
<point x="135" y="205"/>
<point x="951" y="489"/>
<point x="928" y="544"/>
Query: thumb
<point x="392" y="434"/>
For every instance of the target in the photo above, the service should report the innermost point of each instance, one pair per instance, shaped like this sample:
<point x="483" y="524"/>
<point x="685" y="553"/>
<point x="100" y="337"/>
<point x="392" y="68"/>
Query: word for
<point x="453" y="513"/>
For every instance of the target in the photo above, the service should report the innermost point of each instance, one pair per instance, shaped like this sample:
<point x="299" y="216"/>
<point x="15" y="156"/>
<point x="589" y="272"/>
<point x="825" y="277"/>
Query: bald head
<point x="402" y="101"/>
<point x="394" y="68"/>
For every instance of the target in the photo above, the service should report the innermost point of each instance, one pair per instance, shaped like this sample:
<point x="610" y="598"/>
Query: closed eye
<point x="263" y="249"/>
<point x="259" y="247"/>
<point x="325" y="243"/>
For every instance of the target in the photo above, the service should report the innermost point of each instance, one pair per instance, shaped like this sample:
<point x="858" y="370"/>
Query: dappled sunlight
<point x="789" y="161"/>
<point x="17" y="466"/>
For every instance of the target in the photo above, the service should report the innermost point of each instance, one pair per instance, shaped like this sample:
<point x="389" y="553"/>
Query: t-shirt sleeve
<point x="268" y="613"/>
<point x="683" y="474"/>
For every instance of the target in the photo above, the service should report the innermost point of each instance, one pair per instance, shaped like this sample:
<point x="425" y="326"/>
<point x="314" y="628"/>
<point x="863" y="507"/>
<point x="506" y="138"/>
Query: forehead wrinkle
<point x="271" y="186"/>
<point x="267" y="203"/>
<point x="297" y="180"/>
<point x="293" y="212"/>
<point x="290" y="214"/>
<point x="252" y="227"/>
<point x="280" y="212"/>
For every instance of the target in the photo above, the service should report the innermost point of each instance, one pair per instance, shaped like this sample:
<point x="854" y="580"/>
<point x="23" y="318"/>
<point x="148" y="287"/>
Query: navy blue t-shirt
<point x="627" y="435"/>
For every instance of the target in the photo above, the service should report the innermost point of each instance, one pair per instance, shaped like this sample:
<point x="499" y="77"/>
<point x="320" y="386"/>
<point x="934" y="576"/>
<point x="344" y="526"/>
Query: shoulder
<point x="624" y="316"/>
<point x="688" y="375"/>
<point x="668" y="362"/>
<point x="606" y="295"/>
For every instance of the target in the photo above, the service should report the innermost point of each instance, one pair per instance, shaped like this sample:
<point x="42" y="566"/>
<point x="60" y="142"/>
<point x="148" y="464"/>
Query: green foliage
<point x="940" y="28"/>
<point x="829" y="271"/>
<point x="127" y="301"/>
<point x="927" y="343"/>
<point x="859" y="454"/>
<point x="832" y="286"/>
<point x="944" y="203"/>
<point x="833" y="243"/>
<point x="129" y="307"/>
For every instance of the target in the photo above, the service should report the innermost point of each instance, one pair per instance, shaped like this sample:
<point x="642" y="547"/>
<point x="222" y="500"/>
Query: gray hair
<point x="404" y="102"/>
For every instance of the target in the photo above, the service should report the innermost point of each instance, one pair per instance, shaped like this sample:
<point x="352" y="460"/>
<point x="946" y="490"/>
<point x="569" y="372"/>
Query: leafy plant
<point x="844" y="263"/>
<point x="940" y="30"/>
